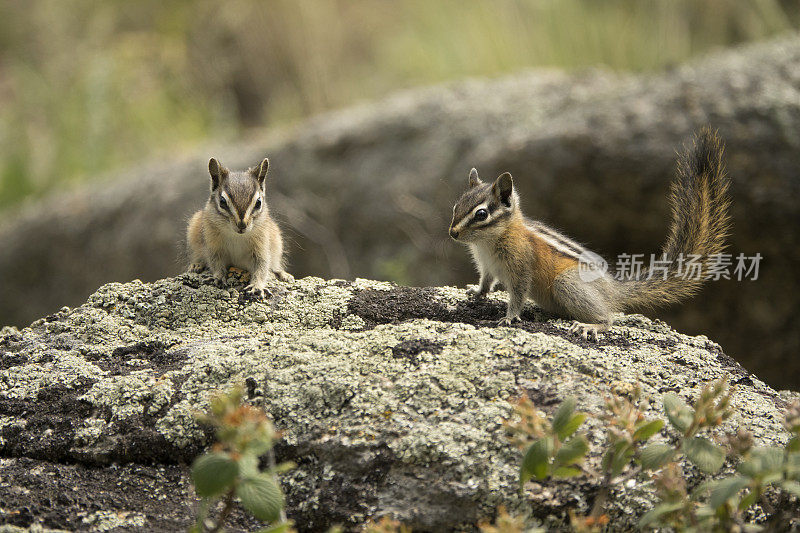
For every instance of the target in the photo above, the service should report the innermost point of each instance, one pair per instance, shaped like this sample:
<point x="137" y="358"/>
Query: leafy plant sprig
<point x="761" y="467"/>
<point x="716" y="505"/>
<point x="627" y="430"/>
<point x="231" y="469"/>
<point x="385" y="524"/>
<point x="556" y="450"/>
<point x="506" y="523"/>
<point x="712" y="407"/>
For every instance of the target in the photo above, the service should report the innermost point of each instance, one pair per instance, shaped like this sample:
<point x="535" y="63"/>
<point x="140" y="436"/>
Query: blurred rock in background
<point x="86" y="87"/>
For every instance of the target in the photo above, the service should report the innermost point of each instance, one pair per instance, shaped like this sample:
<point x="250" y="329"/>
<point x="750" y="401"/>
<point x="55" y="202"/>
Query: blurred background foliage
<point x="89" y="85"/>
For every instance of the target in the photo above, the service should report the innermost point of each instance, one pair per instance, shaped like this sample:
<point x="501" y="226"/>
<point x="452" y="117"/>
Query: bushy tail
<point x="700" y="223"/>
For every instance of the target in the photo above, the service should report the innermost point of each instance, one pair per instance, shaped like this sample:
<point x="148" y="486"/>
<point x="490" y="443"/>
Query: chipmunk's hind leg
<point x="283" y="276"/>
<point x="276" y="258"/>
<point x="588" y="331"/>
<point x="585" y="301"/>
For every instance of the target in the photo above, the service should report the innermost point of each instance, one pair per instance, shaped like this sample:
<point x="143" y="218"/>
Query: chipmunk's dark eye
<point x="258" y="204"/>
<point x="223" y="203"/>
<point x="481" y="214"/>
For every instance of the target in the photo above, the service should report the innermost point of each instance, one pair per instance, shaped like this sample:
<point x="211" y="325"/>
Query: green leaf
<point x="771" y="457"/>
<point x="213" y="473"/>
<point x="704" y="489"/>
<point x="727" y="489"/>
<point x="279" y="528"/>
<point x="658" y="511"/>
<point x="572" y="450"/>
<point x="793" y="466"/>
<point x="792" y="487"/>
<point x="750" y="468"/>
<point x="563" y="414"/>
<point x="536" y="462"/>
<point x="283" y="467"/>
<point x="615" y="449"/>
<point x="703" y="513"/>
<point x="571" y="426"/>
<point x="748" y="500"/>
<point x="678" y="413"/>
<point x="248" y="465"/>
<point x="262" y="496"/>
<point x="567" y="471"/>
<point x="655" y="456"/>
<point x="645" y="430"/>
<point x="764" y="463"/>
<point x="259" y="446"/>
<point x="617" y="457"/>
<point x="793" y="445"/>
<point x="706" y="455"/>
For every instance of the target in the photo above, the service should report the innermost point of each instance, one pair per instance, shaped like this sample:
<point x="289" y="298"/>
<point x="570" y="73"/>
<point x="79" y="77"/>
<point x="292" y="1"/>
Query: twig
<point x="271" y="462"/>
<point x="226" y="511"/>
<point x="602" y="496"/>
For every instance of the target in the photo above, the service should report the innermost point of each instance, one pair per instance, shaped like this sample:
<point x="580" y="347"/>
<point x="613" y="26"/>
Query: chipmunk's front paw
<point x="221" y="279"/>
<point x="475" y="291"/>
<point x="197" y="267"/>
<point x="284" y="276"/>
<point x="586" y="331"/>
<point x="508" y="321"/>
<point x="256" y="292"/>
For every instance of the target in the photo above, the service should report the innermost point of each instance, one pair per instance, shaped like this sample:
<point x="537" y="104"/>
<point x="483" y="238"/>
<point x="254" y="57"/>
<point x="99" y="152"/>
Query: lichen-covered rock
<point x="391" y="400"/>
<point x="368" y="191"/>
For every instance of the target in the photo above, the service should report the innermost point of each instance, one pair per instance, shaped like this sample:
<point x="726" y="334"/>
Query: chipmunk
<point x="534" y="261"/>
<point x="235" y="229"/>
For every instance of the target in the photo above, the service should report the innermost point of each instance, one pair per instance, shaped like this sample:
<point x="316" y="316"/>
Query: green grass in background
<point x="89" y="85"/>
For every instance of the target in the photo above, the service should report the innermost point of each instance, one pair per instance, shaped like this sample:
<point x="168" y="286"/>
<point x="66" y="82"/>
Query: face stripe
<point x="249" y="211"/>
<point x="470" y="218"/>
<point x="481" y="196"/>
<point x="232" y="209"/>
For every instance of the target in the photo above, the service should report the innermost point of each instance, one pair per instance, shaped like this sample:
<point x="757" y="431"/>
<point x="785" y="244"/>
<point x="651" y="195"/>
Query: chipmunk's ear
<point x="503" y="188"/>
<point x="261" y="172"/>
<point x="217" y="171"/>
<point x="474" y="180"/>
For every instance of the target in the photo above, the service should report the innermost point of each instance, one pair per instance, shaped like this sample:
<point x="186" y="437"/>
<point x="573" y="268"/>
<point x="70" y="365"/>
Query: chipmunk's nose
<point x="242" y="227"/>
<point x="453" y="233"/>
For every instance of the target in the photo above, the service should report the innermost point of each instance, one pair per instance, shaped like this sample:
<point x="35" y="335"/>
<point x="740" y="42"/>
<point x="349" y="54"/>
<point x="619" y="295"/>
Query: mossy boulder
<point x="390" y="400"/>
<point x="368" y="191"/>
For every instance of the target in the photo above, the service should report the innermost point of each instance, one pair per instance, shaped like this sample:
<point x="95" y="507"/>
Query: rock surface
<point x="391" y="400"/>
<point x="368" y="191"/>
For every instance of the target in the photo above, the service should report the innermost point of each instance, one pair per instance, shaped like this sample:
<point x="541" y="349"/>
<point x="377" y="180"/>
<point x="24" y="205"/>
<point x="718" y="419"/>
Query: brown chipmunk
<point x="534" y="261"/>
<point x="235" y="229"/>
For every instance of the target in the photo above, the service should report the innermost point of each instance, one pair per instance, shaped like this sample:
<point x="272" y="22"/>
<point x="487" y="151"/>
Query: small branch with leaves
<point x="230" y="470"/>
<point x="554" y="450"/>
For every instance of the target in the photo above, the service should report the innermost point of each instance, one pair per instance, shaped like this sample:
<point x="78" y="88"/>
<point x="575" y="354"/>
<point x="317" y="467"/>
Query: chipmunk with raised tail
<point x="534" y="261"/>
<point x="235" y="229"/>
